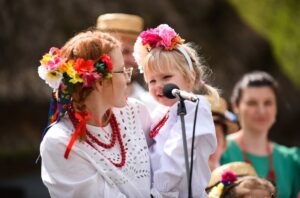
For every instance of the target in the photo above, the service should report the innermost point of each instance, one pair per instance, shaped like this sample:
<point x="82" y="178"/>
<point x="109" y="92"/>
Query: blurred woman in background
<point x="254" y="100"/>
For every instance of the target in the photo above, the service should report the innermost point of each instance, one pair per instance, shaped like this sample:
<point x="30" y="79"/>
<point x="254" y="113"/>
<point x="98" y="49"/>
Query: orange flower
<point x="81" y="66"/>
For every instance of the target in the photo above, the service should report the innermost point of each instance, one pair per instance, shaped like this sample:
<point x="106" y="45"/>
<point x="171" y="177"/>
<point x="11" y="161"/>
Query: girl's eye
<point x="151" y="81"/>
<point x="167" y="76"/>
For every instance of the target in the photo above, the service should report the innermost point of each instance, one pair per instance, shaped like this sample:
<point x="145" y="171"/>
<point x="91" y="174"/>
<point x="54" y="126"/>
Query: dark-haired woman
<point x="254" y="100"/>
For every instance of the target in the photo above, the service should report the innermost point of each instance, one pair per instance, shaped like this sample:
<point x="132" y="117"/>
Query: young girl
<point x="96" y="145"/>
<point x="164" y="58"/>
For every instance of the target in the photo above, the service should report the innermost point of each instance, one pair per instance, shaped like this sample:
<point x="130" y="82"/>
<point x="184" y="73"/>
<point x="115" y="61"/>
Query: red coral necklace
<point x="160" y="124"/>
<point x="116" y="135"/>
<point x="271" y="173"/>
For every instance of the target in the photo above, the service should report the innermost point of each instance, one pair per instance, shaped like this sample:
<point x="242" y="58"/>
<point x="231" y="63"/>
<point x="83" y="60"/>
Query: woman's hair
<point x="253" y="79"/>
<point x="252" y="186"/>
<point x="159" y="59"/>
<point x="89" y="45"/>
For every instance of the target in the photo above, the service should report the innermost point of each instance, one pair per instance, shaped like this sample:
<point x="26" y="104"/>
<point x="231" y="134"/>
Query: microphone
<point x="172" y="91"/>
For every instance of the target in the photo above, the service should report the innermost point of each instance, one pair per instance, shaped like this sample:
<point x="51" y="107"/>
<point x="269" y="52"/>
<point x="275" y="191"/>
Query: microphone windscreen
<point x="167" y="90"/>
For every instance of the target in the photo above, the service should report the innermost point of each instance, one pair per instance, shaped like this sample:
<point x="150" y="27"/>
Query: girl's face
<point x="157" y="80"/>
<point x="114" y="89"/>
<point x="257" y="109"/>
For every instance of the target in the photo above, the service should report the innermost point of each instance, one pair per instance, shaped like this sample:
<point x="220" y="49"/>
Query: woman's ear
<point x="99" y="85"/>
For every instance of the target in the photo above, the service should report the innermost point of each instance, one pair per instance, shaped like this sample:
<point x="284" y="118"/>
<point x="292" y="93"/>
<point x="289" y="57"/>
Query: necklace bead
<point x="116" y="135"/>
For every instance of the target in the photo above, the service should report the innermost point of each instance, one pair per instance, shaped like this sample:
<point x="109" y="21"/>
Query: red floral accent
<point x="83" y="66"/>
<point x="228" y="177"/>
<point x="107" y="60"/>
<point x="89" y="78"/>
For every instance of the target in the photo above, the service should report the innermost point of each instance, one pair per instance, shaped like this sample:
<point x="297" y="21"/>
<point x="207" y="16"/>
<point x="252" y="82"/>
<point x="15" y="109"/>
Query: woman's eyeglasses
<point x="127" y="72"/>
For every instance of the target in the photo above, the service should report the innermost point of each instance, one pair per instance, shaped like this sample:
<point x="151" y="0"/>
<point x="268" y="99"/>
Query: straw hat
<point x="120" y="22"/>
<point x="220" y="108"/>
<point x="239" y="168"/>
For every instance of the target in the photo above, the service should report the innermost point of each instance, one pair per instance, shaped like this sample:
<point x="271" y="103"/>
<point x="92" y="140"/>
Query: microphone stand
<point x="181" y="111"/>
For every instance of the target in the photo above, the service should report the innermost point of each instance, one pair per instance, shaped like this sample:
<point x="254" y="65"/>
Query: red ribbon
<point x="80" y="130"/>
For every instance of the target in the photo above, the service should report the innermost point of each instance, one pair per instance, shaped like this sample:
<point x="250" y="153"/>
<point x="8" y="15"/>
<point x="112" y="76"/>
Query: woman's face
<point x="257" y="109"/>
<point x="114" y="89"/>
<point x="157" y="80"/>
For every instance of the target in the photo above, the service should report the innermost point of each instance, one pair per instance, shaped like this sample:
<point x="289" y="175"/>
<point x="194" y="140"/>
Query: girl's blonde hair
<point x="160" y="60"/>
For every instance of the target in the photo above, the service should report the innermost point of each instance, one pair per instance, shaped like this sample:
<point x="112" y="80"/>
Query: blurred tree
<point x="281" y="28"/>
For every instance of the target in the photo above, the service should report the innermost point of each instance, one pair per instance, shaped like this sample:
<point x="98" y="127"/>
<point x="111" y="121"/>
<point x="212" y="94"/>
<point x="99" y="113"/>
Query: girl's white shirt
<point x="87" y="173"/>
<point x="167" y="153"/>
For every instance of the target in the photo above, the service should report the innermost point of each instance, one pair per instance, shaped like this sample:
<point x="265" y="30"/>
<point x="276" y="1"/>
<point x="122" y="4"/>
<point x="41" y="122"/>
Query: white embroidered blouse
<point x="89" y="173"/>
<point x="167" y="153"/>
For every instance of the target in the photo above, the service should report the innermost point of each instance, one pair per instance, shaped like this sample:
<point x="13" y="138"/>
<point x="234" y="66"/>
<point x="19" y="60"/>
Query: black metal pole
<point x="181" y="111"/>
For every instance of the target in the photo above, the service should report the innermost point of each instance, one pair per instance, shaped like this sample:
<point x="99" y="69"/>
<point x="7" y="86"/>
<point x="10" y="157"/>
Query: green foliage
<point x="279" y="22"/>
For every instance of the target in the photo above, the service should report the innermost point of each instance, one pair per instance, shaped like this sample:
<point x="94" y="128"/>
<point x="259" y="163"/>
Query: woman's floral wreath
<point x="227" y="178"/>
<point x="63" y="74"/>
<point x="163" y="37"/>
<point x="57" y="71"/>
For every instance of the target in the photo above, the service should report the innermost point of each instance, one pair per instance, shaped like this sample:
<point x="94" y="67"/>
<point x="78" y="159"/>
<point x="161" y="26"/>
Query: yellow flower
<point x="46" y="58"/>
<point x="76" y="79"/>
<point x="216" y="191"/>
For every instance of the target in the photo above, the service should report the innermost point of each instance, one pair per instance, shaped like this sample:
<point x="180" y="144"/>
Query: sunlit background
<point x="235" y="37"/>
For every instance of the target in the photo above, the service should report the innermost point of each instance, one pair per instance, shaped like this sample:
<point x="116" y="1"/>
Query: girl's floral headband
<point x="166" y="38"/>
<point x="57" y="71"/>
<point x="227" y="178"/>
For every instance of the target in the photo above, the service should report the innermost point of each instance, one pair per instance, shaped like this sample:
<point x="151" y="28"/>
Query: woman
<point x="254" y="100"/>
<point x="96" y="145"/>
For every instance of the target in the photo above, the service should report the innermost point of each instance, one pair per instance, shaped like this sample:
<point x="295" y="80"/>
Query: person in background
<point x="239" y="179"/>
<point x="225" y="123"/>
<point x="164" y="58"/>
<point x="254" y="100"/>
<point x="126" y="28"/>
<point x="95" y="145"/>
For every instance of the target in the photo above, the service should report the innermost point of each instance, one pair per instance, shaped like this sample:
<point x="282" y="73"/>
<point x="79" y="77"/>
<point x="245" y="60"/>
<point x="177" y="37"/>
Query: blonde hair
<point x="158" y="59"/>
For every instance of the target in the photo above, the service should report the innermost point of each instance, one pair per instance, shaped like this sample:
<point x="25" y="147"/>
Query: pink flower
<point x="228" y="177"/>
<point x="163" y="36"/>
<point x="167" y="34"/>
<point x="54" y="51"/>
<point x="54" y="63"/>
<point x="151" y="38"/>
<point x="89" y="78"/>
